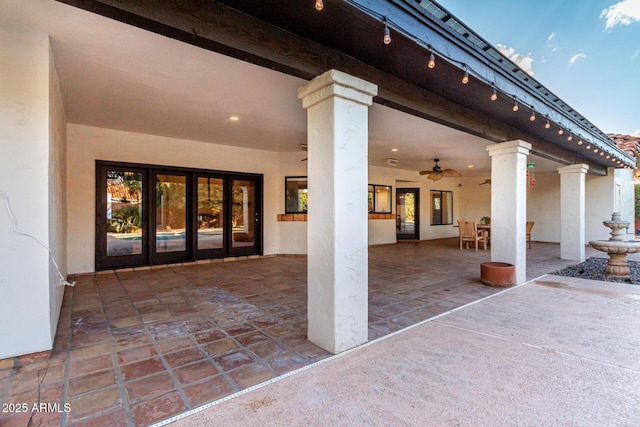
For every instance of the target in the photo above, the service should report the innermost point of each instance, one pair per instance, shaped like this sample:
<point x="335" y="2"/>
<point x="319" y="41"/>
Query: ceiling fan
<point x="437" y="173"/>
<point x="486" y="181"/>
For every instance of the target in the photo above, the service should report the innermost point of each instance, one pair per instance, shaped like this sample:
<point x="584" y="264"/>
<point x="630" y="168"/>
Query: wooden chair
<point x="469" y="233"/>
<point x="529" y="227"/>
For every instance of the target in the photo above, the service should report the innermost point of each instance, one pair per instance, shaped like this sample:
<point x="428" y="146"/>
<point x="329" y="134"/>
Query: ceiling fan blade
<point x="304" y="160"/>
<point x="426" y="172"/>
<point x="451" y="173"/>
<point x="435" y="176"/>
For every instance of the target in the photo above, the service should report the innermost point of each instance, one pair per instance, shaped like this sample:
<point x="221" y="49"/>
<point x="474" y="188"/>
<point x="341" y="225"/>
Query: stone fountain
<point x="617" y="247"/>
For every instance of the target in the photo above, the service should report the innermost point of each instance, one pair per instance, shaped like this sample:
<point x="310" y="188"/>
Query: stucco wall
<point x="87" y="144"/>
<point x="605" y="195"/>
<point x="543" y="207"/>
<point x="24" y="175"/>
<point x="57" y="194"/>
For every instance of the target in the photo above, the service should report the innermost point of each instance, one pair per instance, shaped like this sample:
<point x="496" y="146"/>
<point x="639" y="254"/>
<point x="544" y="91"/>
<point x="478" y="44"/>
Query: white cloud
<point x="574" y="58"/>
<point x="555" y="49"/>
<point x="522" y="61"/>
<point x="621" y="13"/>
<point x="636" y="133"/>
<point x="635" y="54"/>
<point x="551" y="36"/>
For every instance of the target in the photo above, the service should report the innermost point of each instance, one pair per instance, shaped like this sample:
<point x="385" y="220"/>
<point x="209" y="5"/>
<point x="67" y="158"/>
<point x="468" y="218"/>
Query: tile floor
<point x="136" y="347"/>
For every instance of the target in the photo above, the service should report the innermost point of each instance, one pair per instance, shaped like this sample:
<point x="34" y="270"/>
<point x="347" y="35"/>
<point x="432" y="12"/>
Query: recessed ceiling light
<point x="394" y="149"/>
<point x="234" y="118"/>
<point x="470" y="166"/>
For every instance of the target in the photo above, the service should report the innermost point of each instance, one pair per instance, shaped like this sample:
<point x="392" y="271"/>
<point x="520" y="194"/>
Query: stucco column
<point x="509" y="204"/>
<point x="337" y="277"/>
<point x="572" y="211"/>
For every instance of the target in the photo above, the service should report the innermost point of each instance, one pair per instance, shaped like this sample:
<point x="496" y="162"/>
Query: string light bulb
<point x="560" y="131"/>
<point x="547" y="125"/>
<point x="579" y="142"/>
<point x="465" y="78"/>
<point x="608" y="156"/>
<point x="515" y="106"/>
<point x="588" y="147"/>
<point x="432" y="61"/>
<point x="532" y="117"/>
<point x="319" y="5"/>
<point x="387" y="34"/>
<point x="570" y="137"/>
<point x="595" y="150"/>
<point x="494" y="95"/>
<point x="602" y="153"/>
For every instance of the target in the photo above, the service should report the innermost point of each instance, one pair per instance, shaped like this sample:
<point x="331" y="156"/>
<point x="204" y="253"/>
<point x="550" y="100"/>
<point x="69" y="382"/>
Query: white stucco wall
<point x="87" y="144"/>
<point x="25" y="312"/>
<point x="605" y="195"/>
<point x="543" y="207"/>
<point x="474" y="200"/>
<point x="57" y="194"/>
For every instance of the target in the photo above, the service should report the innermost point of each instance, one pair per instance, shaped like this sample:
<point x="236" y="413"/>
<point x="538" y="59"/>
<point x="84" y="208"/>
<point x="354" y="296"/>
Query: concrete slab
<point x="556" y="351"/>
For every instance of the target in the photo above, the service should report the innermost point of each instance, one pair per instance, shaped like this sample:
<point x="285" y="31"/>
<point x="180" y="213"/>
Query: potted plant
<point x="485" y="220"/>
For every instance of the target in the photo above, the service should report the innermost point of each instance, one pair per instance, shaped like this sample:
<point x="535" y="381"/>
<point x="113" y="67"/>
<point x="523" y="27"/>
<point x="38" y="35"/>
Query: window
<point x="296" y="194"/>
<point x="379" y="199"/>
<point x="441" y="207"/>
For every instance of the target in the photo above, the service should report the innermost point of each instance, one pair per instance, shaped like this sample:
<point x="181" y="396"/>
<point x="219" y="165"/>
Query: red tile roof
<point x="628" y="143"/>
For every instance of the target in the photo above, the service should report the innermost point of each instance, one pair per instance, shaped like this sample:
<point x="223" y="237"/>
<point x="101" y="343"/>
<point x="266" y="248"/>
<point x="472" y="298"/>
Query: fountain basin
<point x="616" y="246"/>
<point x="617" y="265"/>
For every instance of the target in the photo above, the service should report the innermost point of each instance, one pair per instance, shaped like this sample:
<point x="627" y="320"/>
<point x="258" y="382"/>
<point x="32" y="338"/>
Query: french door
<point x="408" y="213"/>
<point x="148" y="215"/>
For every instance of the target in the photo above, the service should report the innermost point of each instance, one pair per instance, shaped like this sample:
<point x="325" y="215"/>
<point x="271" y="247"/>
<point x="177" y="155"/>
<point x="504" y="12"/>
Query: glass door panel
<point x="243" y="211"/>
<point x="407" y="213"/>
<point x="171" y="213"/>
<point x="124" y="231"/>
<point x="210" y="215"/>
<point x="245" y="217"/>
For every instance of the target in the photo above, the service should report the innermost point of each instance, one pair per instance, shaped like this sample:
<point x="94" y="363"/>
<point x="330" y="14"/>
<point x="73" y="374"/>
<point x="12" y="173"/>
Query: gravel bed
<point x="593" y="268"/>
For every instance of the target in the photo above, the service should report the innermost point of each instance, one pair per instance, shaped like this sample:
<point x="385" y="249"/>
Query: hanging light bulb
<point x="602" y="153"/>
<point x="494" y="95"/>
<point x="465" y="78"/>
<point x="560" y="131"/>
<point x="432" y="60"/>
<point x="608" y="156"/>
<point x="319" y="5"/>
<point x="579" y="142"/>
<point x="532" y="117"/>
<point x="588" y="147"/>
<point x="595" y="150"/>
<point x="387" y="34"/>
<point x="570" y="137"/>
<point x="547" y="125"/>
<point x="515" y="106"/>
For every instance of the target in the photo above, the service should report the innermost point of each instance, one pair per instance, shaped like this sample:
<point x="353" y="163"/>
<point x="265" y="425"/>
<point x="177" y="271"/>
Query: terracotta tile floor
<point x="136" y="347"/>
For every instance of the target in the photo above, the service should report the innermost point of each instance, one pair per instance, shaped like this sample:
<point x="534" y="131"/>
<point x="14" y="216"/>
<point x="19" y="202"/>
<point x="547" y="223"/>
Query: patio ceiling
<point x="117" y="76"/>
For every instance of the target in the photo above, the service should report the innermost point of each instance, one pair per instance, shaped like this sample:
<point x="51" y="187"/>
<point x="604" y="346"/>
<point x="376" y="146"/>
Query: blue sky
<point x="585" y="51"/>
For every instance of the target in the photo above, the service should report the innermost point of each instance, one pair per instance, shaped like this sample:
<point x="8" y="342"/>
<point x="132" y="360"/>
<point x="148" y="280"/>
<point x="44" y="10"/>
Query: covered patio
<point x="136" y="346"/>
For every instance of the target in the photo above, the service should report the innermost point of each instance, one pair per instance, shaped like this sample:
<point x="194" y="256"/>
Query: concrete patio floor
<point x="135" y="347"/>
<point x="556" y="351"/>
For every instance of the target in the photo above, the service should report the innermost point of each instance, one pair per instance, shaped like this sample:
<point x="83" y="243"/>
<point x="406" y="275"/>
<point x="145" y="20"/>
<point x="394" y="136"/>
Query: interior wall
<point x="25" y="323"/>
<point x="57" y="194"/>
<point x="87" y="144"/>
<point x="474" y="200"/>
<point x="543" y="207"/>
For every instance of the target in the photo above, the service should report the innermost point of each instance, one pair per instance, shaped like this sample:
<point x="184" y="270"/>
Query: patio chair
<point x="469" y="233"/>
<point x="529" y="227"/>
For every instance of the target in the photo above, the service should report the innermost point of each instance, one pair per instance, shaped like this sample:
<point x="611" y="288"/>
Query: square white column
<point x="337" y="272"/>
<point x="509" y="204"/>
<point x="572" y="211"/>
